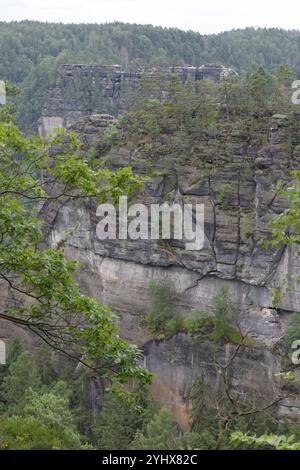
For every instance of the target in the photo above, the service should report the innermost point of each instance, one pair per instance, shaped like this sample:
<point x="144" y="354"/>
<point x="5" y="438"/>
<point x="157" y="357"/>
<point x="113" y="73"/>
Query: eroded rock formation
<point x="82" y="89"/>
<point x="236" y="182"/>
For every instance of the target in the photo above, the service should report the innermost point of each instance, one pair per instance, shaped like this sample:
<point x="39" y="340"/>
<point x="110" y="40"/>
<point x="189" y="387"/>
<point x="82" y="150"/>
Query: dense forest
<point x="31" y="51"/>
<point x="24" y="45"/>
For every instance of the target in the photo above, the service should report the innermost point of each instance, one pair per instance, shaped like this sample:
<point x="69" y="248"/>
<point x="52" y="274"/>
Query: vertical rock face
<point x="81" y="90"/>
<point x="236" y="182"/>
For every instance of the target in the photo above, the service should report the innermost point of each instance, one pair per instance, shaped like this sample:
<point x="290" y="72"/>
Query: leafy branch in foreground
<point x="41" y="293"/>
<point x="228" y="408"/>
<point x="267" y="441"/>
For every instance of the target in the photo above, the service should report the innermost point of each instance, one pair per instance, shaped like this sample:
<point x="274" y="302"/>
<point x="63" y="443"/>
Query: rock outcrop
<point x="82" y="89"/>
<point x="236" y="182"/>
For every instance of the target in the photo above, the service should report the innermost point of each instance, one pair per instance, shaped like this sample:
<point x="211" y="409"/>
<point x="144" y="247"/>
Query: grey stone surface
<point x="118" y="272"/>
<point x="83" y="89"/>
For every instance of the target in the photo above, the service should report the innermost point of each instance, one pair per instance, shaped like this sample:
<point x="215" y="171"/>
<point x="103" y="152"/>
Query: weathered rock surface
<point x="82" y="89"/>
<point x="237" y="185"/>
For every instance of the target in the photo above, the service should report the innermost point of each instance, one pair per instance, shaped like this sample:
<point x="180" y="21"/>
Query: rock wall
<point x="81" y="90"/>
<point x="118" y="272"/>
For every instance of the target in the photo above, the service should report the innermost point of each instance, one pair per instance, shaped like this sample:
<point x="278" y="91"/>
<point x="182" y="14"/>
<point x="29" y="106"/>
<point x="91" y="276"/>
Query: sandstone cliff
<point x="236" y="181"/>
<point x="81" y="89"/>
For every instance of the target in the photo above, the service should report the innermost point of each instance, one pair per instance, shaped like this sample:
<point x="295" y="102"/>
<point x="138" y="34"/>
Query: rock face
<point x="81" y="90"/>
<point x="236" y="183"/>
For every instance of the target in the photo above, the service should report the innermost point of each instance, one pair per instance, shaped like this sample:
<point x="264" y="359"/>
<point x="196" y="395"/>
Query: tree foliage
<point x="163" y="318"/>
<point x="266" y="441"/>
<point x="45" y="298"/>
<point x="158" y="434"/>
<point x="31" y="52"/>
<point x="189" y="114"/>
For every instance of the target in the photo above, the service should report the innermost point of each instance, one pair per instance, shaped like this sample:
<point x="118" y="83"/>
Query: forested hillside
<point x="24" y="45"/>
<point x="31" y="51"/>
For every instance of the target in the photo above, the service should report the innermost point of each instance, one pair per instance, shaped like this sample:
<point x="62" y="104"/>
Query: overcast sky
<point x="205" y="16"/>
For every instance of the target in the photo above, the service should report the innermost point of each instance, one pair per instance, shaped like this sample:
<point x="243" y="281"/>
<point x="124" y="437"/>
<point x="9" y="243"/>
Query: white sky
<point x="205" y="16"/>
